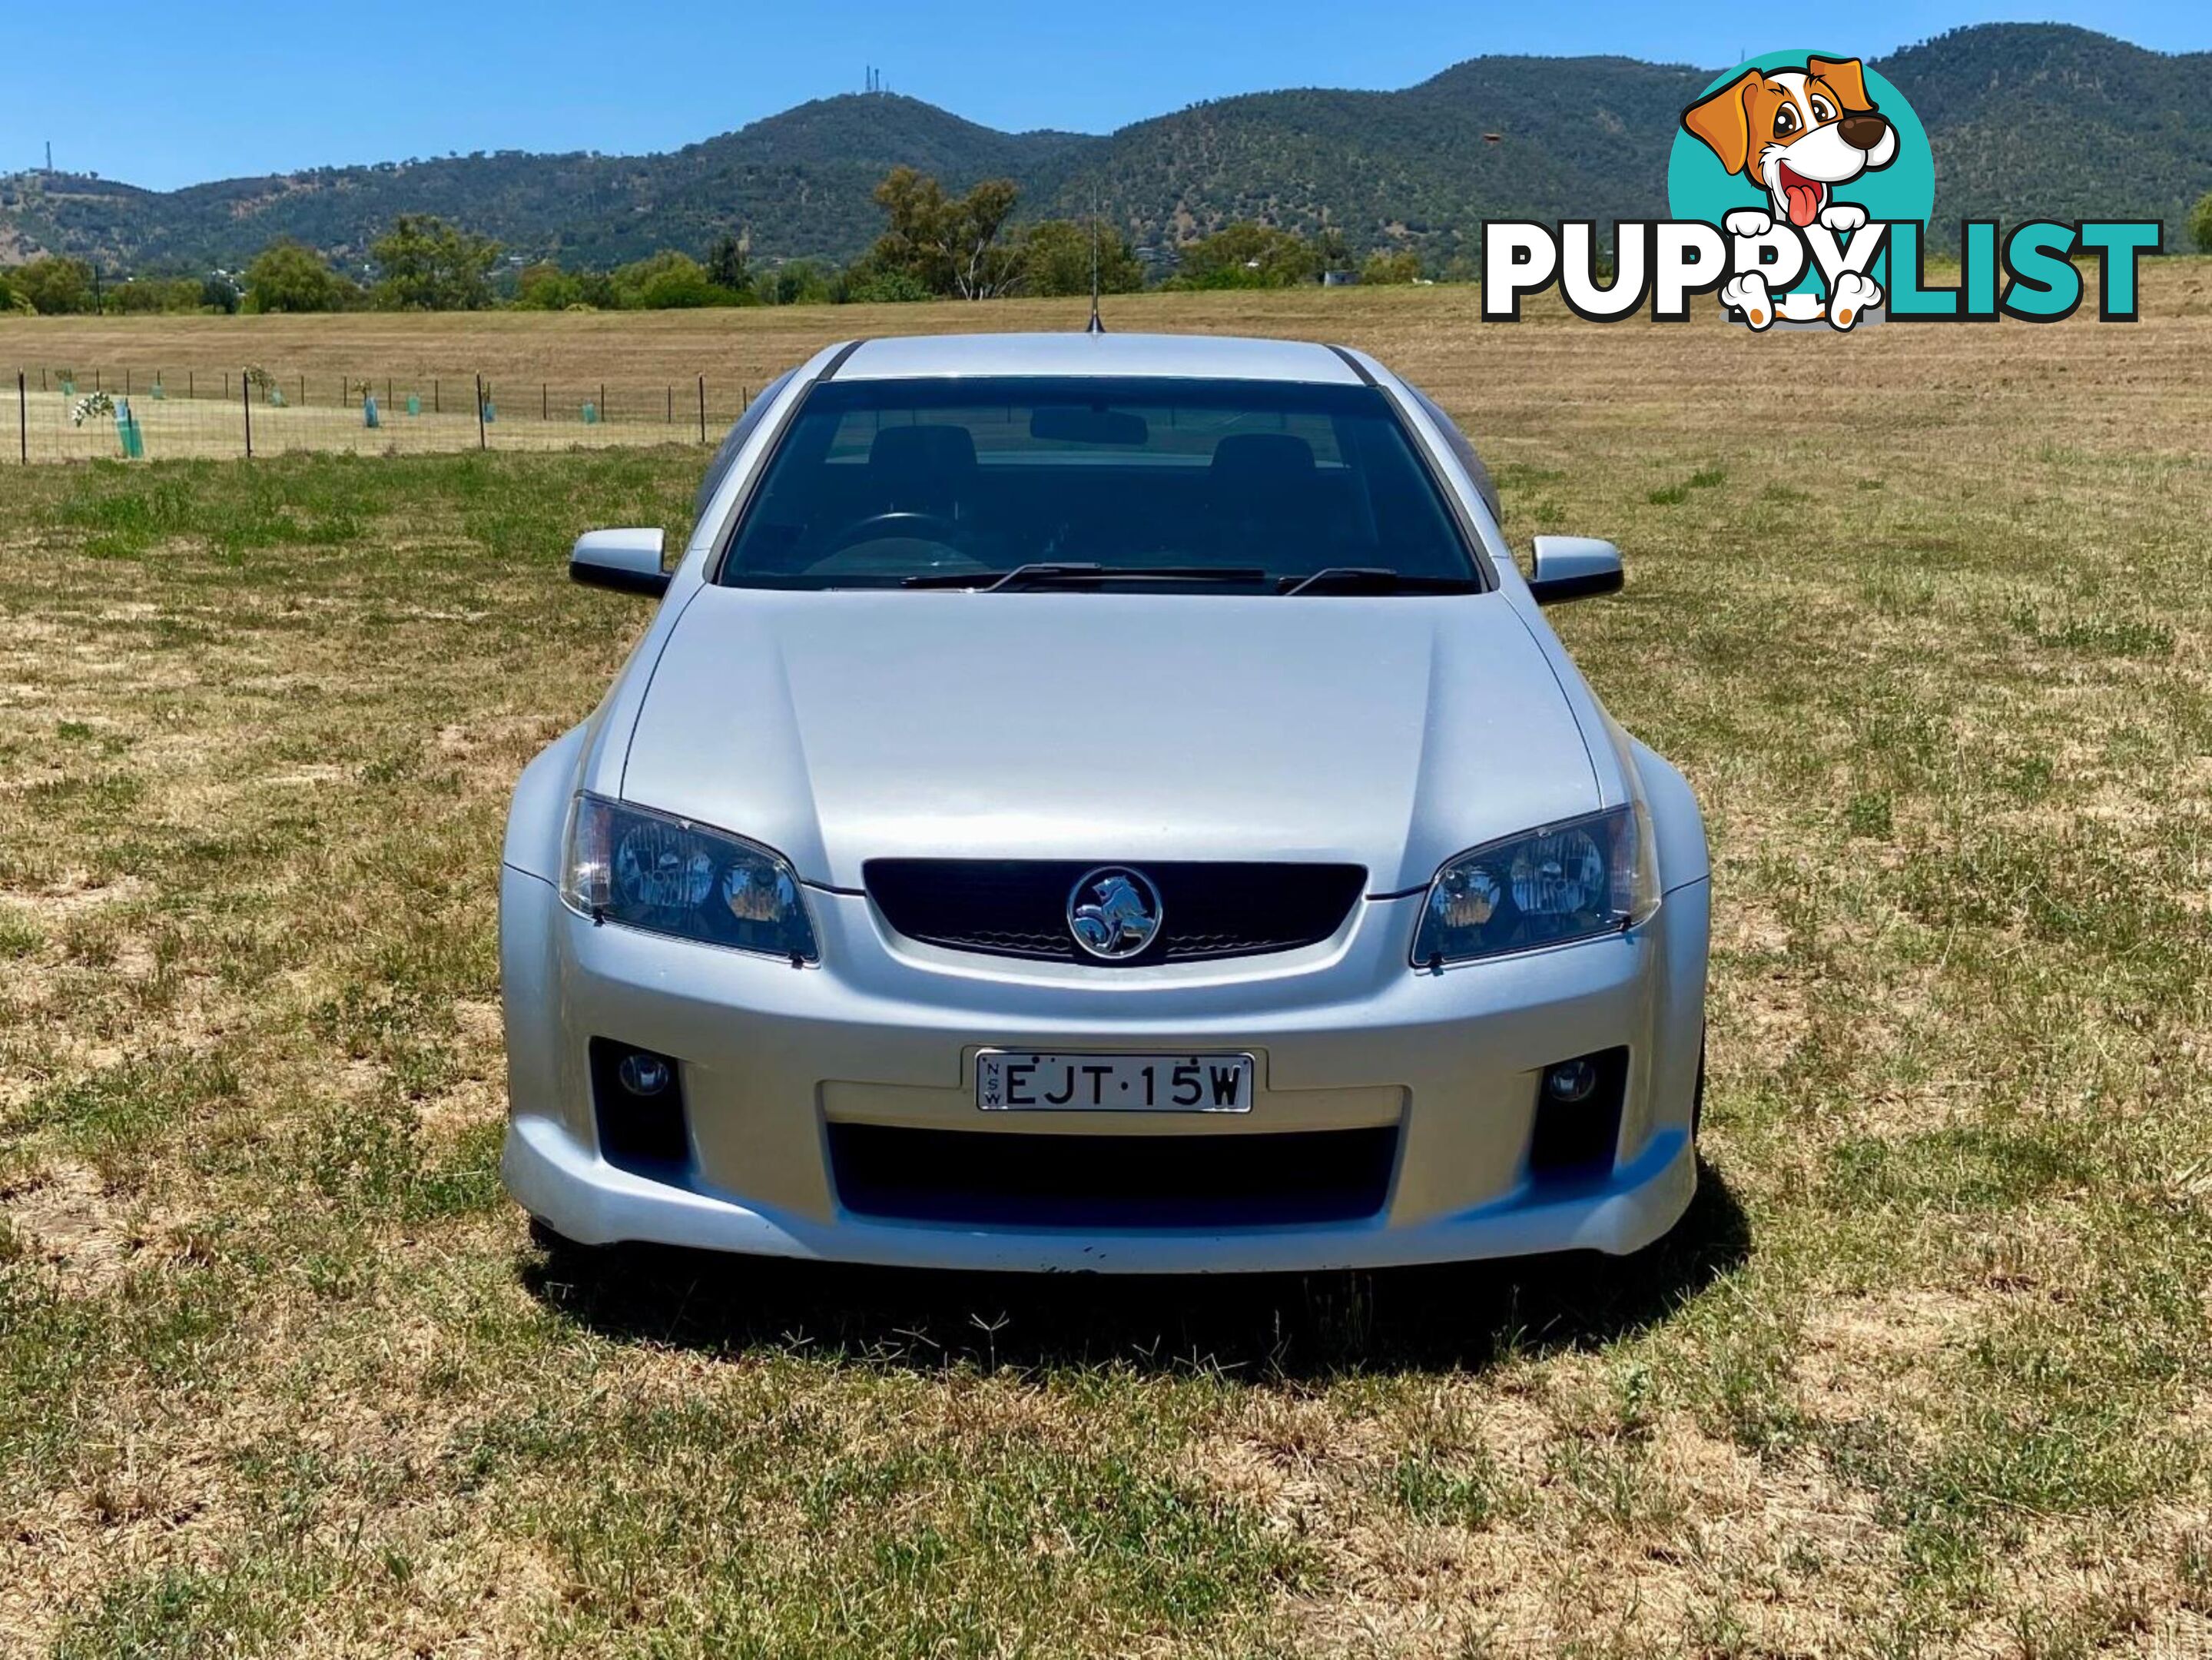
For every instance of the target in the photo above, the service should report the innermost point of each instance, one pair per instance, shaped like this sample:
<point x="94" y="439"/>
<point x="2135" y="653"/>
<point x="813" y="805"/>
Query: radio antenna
<point x="1096" y="325"/>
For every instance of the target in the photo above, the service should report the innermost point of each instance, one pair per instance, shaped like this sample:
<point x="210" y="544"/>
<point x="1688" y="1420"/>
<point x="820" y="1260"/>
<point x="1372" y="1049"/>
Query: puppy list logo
<point x="1800" y="186"/>
<point x="1766" y="154"/>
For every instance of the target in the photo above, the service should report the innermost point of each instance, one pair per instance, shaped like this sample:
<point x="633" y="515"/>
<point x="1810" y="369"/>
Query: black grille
<point x="1018" y="907"/>
<point x="1008" y="1179"/>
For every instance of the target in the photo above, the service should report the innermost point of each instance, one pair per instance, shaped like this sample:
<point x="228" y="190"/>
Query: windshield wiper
<point x="1374" y="579"/>
<point x="1048" y="572"/>
<point x="986" y="579"/>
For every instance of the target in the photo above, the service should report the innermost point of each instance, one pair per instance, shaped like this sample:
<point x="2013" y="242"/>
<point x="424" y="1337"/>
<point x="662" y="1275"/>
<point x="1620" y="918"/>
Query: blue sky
<point x="164" y="94"/>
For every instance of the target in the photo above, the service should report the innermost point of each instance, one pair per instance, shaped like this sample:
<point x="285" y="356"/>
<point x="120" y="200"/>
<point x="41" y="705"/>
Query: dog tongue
<point x="1804" y="202"/>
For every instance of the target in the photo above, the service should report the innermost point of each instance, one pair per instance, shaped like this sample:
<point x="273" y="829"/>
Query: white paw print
<point x="1747" y="294"/>
<point x="1851" y="297"/>
<point x="1748" y="222"/>
<point x="1843" y="217"/>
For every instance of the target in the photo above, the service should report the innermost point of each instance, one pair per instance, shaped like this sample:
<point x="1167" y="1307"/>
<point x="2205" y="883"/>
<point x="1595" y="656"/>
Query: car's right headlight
<point x="1546" y="887"/>
<point x="668" y="875"/>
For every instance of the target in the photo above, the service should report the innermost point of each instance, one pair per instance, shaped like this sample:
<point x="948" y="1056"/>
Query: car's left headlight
<point x="653" y="871"/>
<point x="1546" y="887"/>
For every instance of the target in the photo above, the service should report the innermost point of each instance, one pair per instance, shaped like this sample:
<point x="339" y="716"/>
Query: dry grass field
<point x="523" y="349"/>
<point x="1926" y="615"/>
<point x="520" y="350"/>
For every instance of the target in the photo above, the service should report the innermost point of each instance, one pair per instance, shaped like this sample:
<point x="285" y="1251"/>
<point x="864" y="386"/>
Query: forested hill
<point x="2026" y="119"/>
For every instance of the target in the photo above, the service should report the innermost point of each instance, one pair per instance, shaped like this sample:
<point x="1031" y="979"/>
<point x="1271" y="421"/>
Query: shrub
<point x="546" y="287"/>
<point x="866" y="287"/>
<point x="667" y="281"/>
<point x="55" y="286"/>
<point x="1399" y="265"/>
<point x="1248" y="255"/>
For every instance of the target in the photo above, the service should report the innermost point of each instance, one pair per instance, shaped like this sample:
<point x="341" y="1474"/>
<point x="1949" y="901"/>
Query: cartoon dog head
<point x="1797" y="132"/>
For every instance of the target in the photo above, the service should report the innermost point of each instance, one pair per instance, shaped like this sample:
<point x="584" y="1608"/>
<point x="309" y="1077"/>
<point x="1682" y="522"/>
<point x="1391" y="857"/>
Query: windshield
<point x="1198" y="485"/>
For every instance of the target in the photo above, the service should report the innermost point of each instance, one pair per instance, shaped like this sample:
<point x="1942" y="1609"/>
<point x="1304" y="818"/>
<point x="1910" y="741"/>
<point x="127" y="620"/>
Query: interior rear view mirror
<point x="1072" y="423"/>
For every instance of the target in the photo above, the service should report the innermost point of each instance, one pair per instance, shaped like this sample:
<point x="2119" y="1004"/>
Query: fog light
<point x="637" y="1099"/>
<point x="1577" y="1122"/>
<point x="643" y="1074"/>
<point x="1571" y="1082"/>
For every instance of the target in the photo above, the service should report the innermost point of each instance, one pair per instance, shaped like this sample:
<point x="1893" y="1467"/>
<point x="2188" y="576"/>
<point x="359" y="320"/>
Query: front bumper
<point x="884" y="1033"/>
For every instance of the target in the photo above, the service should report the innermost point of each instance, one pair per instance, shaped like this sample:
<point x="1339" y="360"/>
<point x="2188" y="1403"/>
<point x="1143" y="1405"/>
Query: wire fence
<point x="130" y="413"/>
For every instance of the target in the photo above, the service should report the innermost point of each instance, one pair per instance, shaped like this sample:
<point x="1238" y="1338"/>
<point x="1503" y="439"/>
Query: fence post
<point x="23" y="415"/>
<point x="436" y="408"/>
<point x="126" y="383"/>
<point x="545" y="402"/>
<point x="191" y="384"/>
<point x="481" y="442"/>
<point x="669" y="418"/>
<point x="603" y="400"/>
<point x="303" y="391"/>
<point x="702" y="409"/>
<point x="246" y="397"/>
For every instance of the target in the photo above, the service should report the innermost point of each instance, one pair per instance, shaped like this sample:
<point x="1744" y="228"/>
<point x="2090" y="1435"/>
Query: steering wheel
<point x="906" y="523"/>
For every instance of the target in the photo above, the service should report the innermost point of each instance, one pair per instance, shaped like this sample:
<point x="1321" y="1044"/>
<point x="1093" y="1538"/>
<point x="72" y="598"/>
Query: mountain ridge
<point x="2047" y="120"/>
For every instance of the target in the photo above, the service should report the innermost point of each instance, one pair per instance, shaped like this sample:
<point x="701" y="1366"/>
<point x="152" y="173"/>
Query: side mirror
<point x="627" y="561"/>
<point x="1573" y="567"/>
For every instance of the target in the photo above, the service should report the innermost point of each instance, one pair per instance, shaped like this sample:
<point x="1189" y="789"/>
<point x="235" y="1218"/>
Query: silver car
<point x="1101" y="802"/>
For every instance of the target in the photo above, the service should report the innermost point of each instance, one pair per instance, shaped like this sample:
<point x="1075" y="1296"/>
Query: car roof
<point x="1197" y="356"/>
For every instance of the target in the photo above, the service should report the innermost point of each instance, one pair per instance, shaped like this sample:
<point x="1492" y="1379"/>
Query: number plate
<point x="1021" y="1081"/>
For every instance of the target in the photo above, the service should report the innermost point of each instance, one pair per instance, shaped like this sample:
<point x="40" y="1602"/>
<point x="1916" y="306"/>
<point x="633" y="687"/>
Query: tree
<point x="56" y="286"/>
<point x="950" y="245"/>
<point x="218" y="294"/>
<point x="869" y="286"/>
<point x="796" y="282"/>
<point x="1399" y="265"/>
<point x="143" y="296"/>
<point x="1248" y="255"/>
<point x="2200" y="222"/>
<point x="546" y="287"/>
<point x="1055" y="259"/>
<point x="288" y="275"/>
<point x="726" y="264"/>
<point x="669" y="281"/>
<point x="431" y="265"/>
